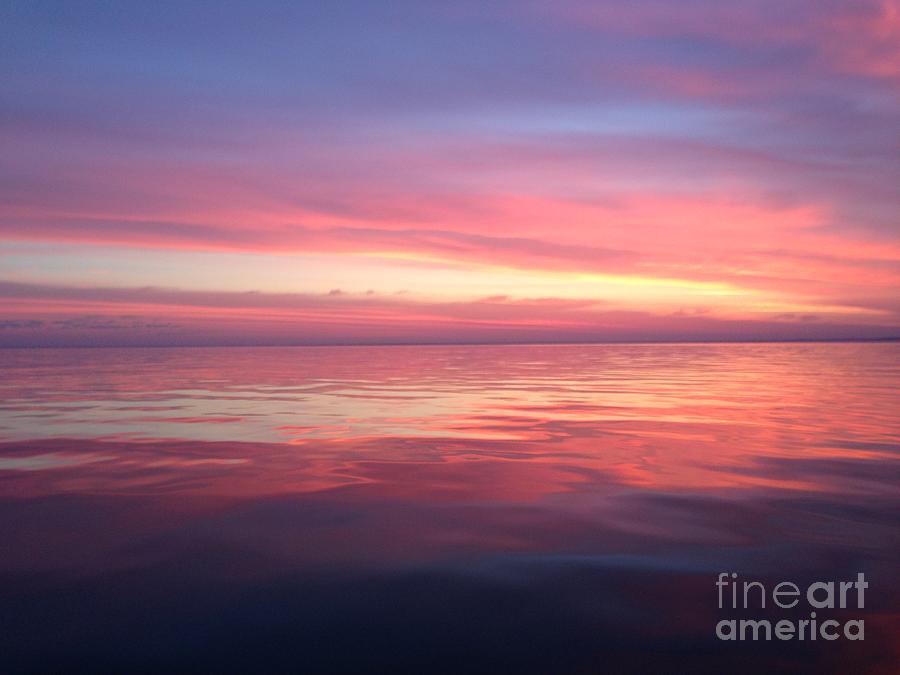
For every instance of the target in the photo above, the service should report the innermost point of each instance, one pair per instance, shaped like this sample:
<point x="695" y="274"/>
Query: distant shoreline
<point x="465" y="344"/>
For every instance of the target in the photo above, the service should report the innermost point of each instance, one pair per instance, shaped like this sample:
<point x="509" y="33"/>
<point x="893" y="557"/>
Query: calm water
<point x="548" y="509"/>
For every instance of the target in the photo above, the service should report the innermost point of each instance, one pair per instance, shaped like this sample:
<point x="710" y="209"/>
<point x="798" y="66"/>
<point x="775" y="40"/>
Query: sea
<point x="449" y="509"/>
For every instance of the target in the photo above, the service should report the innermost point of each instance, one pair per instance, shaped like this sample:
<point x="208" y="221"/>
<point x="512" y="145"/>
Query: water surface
<point x="440" y="509"/>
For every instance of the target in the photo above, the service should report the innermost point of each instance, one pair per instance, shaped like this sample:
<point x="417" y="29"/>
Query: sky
<point x="190" y="173"/>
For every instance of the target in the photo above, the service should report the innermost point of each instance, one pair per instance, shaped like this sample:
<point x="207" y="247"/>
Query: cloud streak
<point x="57" y="316"/>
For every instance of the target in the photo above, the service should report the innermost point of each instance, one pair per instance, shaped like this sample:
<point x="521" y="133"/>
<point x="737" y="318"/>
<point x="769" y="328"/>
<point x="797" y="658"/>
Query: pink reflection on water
<point x="688" y="417"/>
<point x="636" y="471"/>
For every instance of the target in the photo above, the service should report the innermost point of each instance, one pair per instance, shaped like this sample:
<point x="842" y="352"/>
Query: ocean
<point x="459" y="509"/>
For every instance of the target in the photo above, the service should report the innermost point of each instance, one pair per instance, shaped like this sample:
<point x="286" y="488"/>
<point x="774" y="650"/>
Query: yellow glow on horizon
<point x="666" y="284"/>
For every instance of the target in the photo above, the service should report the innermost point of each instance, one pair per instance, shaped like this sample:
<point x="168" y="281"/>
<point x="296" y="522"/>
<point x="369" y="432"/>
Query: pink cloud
<point x="65" y="315"/>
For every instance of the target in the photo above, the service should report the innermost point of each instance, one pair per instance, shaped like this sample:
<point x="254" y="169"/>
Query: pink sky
<point x="560" y="171"/>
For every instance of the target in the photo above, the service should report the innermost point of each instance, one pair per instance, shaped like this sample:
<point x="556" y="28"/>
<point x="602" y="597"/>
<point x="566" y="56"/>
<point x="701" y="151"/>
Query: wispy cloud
<point x="53" y="315"/>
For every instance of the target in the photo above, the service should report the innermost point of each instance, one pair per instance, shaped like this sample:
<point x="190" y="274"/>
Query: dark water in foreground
<point x="546" y="509"/>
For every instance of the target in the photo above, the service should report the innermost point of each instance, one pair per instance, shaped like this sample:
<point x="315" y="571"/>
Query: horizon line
<point x="526" y="343"/>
